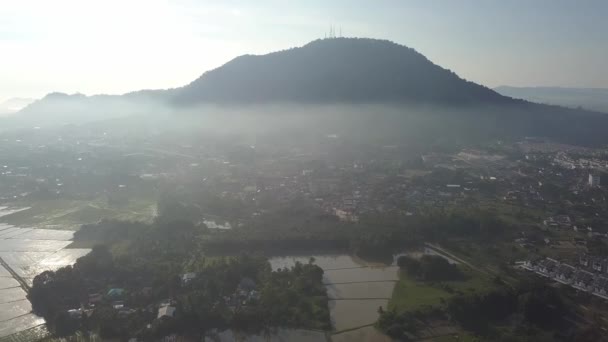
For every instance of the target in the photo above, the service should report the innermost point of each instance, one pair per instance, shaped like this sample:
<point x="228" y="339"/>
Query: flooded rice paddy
<point x="356" y="289"/>
<point x="24" y="253"/>
<point x="367" y="290"/>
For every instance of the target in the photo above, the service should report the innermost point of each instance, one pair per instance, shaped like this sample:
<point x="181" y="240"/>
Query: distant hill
<point x="61" y="109"/>
<point x="350" y="70"/>
<point x="587" y="98"/>
<point x="14" y="105"/>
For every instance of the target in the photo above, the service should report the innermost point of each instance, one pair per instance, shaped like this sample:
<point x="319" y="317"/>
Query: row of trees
<point x="430" y="268"/>
<point x="538" y="307"/>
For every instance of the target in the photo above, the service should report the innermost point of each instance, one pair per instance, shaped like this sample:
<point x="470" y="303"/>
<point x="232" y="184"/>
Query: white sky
<point x="116" y="46"/>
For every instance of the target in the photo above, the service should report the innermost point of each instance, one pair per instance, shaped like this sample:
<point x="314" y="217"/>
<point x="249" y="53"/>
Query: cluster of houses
<point x="558" y="222"/>
<point x="577" y="277"/>
<point x="245" y="294"/>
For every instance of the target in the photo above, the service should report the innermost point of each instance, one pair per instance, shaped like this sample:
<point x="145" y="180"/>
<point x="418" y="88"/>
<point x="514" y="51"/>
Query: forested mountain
<point x="336" y="70"/>
<point x="430" y="101"/>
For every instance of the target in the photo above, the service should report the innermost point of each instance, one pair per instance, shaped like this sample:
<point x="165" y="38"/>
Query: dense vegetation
<point x="430" y="268"/>
<point x="530" y="312"/>
<point x="336" y="70"/>
<point x="139" y="269"/>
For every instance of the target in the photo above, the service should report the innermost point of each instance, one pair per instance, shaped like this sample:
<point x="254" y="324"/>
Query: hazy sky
<point x="115" y="46"/>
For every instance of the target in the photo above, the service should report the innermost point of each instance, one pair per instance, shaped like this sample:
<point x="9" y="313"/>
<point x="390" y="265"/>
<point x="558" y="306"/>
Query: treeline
<point x="299" y="225"/>
<point x="527" y="312"/>
<point x="430" y="268"/>
<point x="296" y="226"/>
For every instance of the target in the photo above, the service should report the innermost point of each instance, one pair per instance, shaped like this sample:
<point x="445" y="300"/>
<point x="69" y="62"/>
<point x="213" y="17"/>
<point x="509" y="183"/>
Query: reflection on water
<point x="11" y="295"/>
<point x="14" y="309"/>
<point x="19" y="324"/>
<point x="356" y="287"/>
<point x="28" y="252"/>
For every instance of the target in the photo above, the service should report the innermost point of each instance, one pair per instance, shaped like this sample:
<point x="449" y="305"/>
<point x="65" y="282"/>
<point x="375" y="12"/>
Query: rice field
<point x="350" y="314"/>
<point x="28" y="252"/>
<point x="62" y="214"/>
<point x="370" y="290"/>
<point x="355" y="289"/>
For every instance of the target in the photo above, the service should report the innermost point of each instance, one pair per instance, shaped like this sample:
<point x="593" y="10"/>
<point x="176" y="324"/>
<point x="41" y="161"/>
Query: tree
<point x="542" y="306"/>
<point x="64" y="325"/>
<point x="412" y="266"/>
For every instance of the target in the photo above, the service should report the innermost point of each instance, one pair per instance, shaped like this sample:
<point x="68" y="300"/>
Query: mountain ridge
<point x="345" y="71"/>
<point x="335" y="70"/>
<point x="340" y="70"/>
<point x="14" y="105"/>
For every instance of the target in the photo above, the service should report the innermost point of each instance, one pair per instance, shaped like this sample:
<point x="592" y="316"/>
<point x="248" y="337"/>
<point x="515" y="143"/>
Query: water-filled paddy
<point x="28" y="252"/>
<point x="365" y="290"/>
<point x="355" y="287"/>
<point x="19" y="324"/>
<point x="360" y="275"/>
<point x="14" y="309"/>
<point x="7" y="283"/>
<point x="349" y="314"/>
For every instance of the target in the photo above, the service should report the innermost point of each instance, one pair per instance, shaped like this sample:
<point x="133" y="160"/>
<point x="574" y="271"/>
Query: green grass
<point x="410" y="294"/>
<point x="70" y="214"/>
<point x="475" y="281"/>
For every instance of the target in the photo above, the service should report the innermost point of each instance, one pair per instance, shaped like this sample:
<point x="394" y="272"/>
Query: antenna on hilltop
<point x="332" y="32"/>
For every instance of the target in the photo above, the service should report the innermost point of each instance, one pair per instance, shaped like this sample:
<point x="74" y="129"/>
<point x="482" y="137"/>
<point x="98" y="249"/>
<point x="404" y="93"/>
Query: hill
<point x="14" y="105"/>
<point x="64" y="109"/>
<point x="589" y="98"/>
<point x="347" y="70"/>
<point x="428" y="100"/>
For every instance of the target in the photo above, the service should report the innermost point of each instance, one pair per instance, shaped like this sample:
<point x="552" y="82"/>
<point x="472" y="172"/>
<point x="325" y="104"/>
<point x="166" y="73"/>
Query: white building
<point x="166" y="311"/>
<point x="594" y="180"/>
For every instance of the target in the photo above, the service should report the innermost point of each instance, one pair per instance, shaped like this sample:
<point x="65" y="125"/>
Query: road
<point x="452" y="256"/>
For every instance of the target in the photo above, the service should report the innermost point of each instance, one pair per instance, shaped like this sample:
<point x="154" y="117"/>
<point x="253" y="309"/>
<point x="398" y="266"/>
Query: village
<point x="552" y="196"/>
<point x="589" y="275"/>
